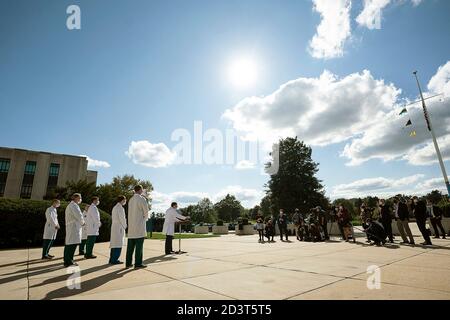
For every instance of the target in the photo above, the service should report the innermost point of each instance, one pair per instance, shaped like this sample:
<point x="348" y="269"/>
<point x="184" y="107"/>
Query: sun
<point x="243" y="72"/>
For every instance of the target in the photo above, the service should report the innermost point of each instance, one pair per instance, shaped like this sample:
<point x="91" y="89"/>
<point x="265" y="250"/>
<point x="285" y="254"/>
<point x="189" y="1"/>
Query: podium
<point x="179" y="235"/>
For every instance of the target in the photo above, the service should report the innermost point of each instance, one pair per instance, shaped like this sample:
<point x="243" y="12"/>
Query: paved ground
<point x="237" y="267"/>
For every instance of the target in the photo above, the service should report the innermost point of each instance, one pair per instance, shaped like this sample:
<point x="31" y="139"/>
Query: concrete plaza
<point x="237" y="267"/>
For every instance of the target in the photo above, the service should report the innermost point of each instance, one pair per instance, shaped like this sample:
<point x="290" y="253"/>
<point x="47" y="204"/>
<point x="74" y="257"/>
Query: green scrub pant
<point x="90" y="245"/>
<point x="133" y="244"/>
<point x="82" y="246"/>
<point x="47" y="244"/>
<point x="69" y="252"/>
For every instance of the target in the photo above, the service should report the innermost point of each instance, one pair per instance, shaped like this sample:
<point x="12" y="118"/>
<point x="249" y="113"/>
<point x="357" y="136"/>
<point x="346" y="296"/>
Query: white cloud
<point x="92" y="163"/>
<point x="248" y="197"/>
<point x="426" y="154"/>
<point x="432" y="184"/>
<point x="387" y="187"/>
<point x="374" y="186"/>
<point x="389" y="140"/>
<point x="245" y="165"/>
<point x="357" y="109"/>
<point x="334" y="28"/>
<point x="150" y="155"/>
<point x="370" y="16"/>
<point x="320" y="111"/>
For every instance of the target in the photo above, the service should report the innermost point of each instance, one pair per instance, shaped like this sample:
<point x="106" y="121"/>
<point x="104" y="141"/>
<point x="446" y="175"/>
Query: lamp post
<point x="430" y="128"/>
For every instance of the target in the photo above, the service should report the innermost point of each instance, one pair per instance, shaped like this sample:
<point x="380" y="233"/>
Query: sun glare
<point x="243" y="72"/>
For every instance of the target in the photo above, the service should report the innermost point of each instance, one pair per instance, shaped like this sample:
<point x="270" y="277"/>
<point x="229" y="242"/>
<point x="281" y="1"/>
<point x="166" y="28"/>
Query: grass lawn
<point x="160" y="236"/>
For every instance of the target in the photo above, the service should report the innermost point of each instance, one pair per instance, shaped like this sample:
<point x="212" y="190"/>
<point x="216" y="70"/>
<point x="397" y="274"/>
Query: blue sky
<point x="138" y="70"/>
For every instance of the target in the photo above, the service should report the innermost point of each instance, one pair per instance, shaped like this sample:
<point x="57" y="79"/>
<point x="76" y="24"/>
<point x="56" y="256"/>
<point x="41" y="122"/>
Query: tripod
<point x="179" y="239"/>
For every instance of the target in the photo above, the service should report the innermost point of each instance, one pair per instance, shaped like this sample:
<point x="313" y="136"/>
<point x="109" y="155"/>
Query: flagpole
<point x="430" y="128"/>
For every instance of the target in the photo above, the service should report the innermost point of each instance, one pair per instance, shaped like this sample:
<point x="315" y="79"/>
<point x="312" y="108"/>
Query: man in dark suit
<point x="420" y="212"/>
<point x="435" y="214"/>
<point x="282" y="224"/>
<point x="386" y="219"/>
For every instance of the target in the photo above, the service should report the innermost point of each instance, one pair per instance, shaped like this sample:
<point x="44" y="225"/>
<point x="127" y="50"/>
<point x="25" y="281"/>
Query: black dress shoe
<point x="90" y="257"/>
<point x="47" y="257"/>
<point x="74" y="264"/>
<point x="142" y="266"/>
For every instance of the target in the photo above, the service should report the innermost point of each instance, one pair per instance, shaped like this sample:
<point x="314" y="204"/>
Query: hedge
<point x="22" y="223"/>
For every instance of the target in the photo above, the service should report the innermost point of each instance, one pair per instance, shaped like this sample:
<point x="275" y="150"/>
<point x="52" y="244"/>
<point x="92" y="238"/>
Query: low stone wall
<point x="246" y="230"/>
<point x="220" y="229"/>
<point x="201" y="229"/>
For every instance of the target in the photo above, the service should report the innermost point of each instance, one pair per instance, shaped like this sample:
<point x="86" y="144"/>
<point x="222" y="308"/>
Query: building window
<point x="28" y="178"/>
<point x="4" y="168"/>
<point x="52" y="178"/>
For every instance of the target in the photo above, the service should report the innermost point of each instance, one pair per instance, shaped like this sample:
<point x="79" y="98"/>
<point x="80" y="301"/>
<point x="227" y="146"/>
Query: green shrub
<point x="219" y="223"/>
<point x="22" y="223"/>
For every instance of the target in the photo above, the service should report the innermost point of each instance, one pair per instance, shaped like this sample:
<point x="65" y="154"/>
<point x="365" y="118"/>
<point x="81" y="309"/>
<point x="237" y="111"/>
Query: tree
<point x="295" y="184"/>
<point x="266" y="206"/>
<point x="255" y="212"/>
<point x="203" y="212"/>
<point x="121" y="185"/>
<point x="85" y="188"/>
<point x="435" y="196"/>
<point x="229" y="208"/>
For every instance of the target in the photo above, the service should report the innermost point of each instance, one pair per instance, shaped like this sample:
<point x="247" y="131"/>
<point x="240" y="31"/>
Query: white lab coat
<point x="172" y="216"/>
<point x="84" y="228"/>
<point x="51" y="216"/>
<point x="74" y="221"/>
<point x="93" y="221"/>
<point x="137" y="217"/>
<point x="118" y="226"/>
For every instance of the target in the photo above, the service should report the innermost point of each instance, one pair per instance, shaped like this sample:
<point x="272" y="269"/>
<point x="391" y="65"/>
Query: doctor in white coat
<point x="118" y="227"/>
<point x="51" y="228"/>
<point x="82" y="246"/>
<point x="93" y="225"/>
<point x="172" y="216"/>
<point x="74" y="222"/>
<point x="138" y="213"/>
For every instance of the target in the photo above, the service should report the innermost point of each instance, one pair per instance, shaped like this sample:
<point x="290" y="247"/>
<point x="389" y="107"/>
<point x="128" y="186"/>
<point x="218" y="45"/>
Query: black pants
<point x="261" y="234"/>
<point x="387" y="225"/>
<point x="437" y="223"/>
<point x="169" y="244"/>
<point x="325" y="231"/>
<point x="283" y="230"/>
<point x="421" y="223"/>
